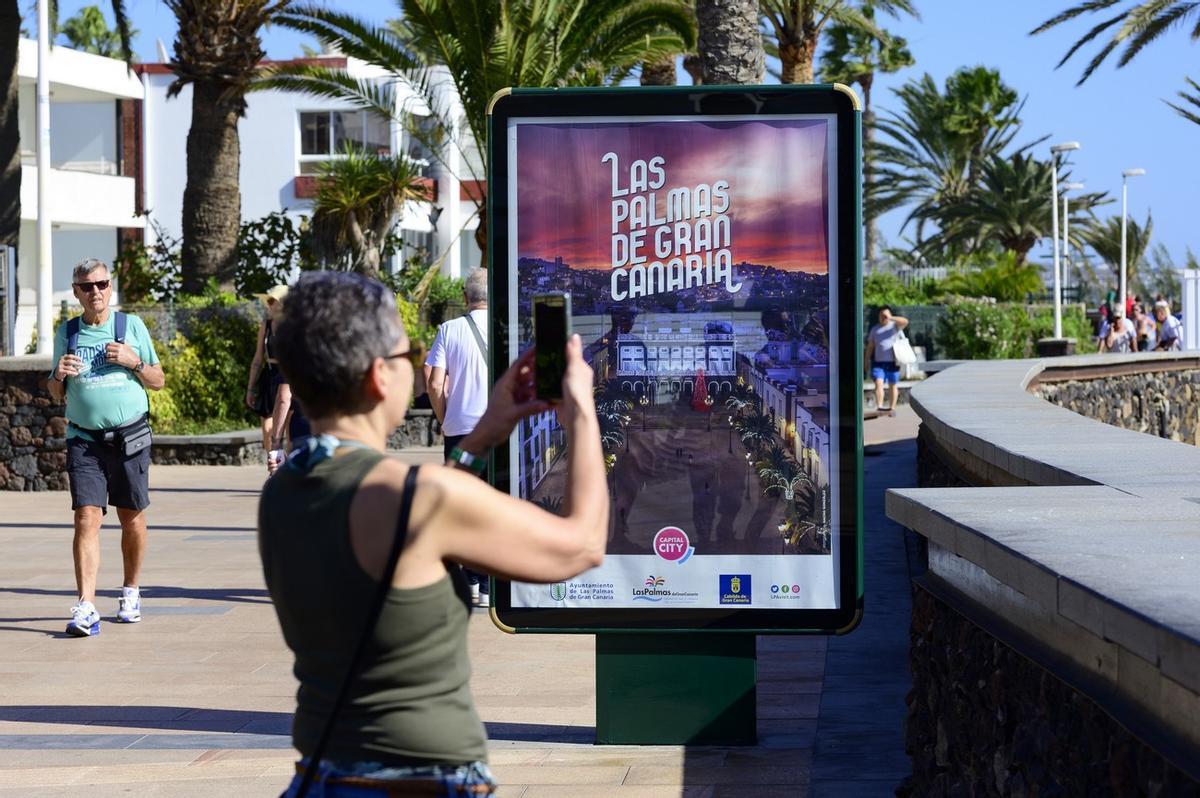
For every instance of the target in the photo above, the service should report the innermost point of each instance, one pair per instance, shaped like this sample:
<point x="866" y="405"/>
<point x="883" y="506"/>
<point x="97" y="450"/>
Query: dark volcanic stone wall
<point x="985" y="721"/>
<point x="33" y="448"/>
<point x="1162" y="403"/>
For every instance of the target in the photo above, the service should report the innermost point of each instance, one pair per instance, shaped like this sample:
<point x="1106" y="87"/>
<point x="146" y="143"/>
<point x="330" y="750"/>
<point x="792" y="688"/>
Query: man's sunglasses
<point x="99" y="285"/>
<point x="407" y="354"/>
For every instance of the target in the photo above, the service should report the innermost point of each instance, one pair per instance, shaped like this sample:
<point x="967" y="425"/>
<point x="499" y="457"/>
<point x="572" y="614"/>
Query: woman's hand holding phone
<point x="577" y="401"/>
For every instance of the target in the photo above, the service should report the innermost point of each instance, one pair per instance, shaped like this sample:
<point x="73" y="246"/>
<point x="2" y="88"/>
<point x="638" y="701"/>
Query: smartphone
<point x="551" y="328"/>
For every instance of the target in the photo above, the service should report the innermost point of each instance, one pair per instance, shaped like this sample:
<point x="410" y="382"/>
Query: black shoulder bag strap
<point x="478" y="338"/>
<point x="364" y="640"/>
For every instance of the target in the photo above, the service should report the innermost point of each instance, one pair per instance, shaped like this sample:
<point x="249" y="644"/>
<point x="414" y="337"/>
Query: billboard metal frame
<point x="705" y="101"/>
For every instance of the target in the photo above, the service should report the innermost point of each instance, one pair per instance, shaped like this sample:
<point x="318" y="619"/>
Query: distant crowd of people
<point x="1133" y="329"/>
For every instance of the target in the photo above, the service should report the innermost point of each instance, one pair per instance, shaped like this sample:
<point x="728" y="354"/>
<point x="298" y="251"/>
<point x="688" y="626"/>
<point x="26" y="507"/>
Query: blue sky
<point x="1119" y="115"/>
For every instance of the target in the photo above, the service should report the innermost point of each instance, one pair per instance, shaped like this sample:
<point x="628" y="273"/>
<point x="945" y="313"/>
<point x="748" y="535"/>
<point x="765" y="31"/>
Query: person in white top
<point x="1120" y="336"/>
<point x="1170" y="329"/>
<point x="456" y="374"/>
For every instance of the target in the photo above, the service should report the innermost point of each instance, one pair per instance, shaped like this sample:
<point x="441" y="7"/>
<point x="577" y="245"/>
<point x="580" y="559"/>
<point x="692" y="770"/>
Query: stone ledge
<point x="1098" y="558"/>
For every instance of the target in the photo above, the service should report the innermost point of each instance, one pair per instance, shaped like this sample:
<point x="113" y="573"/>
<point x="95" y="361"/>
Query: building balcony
<point x="82" y="198"/>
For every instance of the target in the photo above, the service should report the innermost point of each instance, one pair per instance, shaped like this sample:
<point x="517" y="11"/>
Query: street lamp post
<point x="1066" y="146"/>
<point x="749" y="467"/>
<point x="1066" y="225"/>
<point x="731" y="434"/>
<point x="708" y="403"/>
<point x="643" y="401"/>
<point x="1128" y="173"/>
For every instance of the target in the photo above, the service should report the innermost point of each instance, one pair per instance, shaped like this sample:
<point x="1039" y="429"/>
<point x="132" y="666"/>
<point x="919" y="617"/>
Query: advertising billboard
<point x="708" y="242"/>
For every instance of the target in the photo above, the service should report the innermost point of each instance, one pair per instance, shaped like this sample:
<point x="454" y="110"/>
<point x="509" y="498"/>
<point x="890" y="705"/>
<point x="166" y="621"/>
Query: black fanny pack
<point x="129" y="438"/>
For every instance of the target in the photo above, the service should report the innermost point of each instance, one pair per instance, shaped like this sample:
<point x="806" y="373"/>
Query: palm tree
<point x="1011" y="206"/>
<point x="217" y="50"/>
<point x="730" y="45"/>
<point x="855" y="56"/>
<point x="1105" y="238"/>
<point x="755" y="430"/>
<point x="358" y="197"/>
<point x="788" y="479"/>
<point x="1192" y="100"/>
<point x="1135" y="28"/>
<point x="936" y="142"/>
<point x="88" y="31"/>
<point x="795" y="27"/>
<point x="485" y="46"/>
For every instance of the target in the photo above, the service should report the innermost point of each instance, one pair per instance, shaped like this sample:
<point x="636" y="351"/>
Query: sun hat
<point x="276" y="292"/>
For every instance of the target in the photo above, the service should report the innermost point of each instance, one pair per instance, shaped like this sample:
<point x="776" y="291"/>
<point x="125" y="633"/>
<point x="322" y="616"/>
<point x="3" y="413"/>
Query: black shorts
<point x="101" y="475"/>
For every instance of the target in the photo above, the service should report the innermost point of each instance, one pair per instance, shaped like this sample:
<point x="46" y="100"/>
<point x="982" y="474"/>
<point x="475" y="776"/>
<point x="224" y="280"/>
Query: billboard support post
<point x="676" y="689"/>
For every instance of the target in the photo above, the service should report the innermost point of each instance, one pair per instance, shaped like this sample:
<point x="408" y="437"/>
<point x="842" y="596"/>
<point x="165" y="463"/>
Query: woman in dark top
<point x="327" y="521"/>
<point x="264" y="369"/>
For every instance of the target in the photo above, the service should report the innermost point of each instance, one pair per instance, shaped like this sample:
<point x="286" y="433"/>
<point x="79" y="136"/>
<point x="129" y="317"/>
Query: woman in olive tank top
<point x="328" y="519"/>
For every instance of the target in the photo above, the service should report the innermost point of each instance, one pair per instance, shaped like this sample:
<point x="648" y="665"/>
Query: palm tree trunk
<point x="730" y="44"/>
<point x="659" y="73"/>
<point x="796" y="62"/>
<point x="10" y="132"/>
<point x="212" y="203"/>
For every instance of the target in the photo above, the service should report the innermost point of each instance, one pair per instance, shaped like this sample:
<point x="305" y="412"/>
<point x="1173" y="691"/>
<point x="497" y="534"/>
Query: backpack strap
<point x="120" y="325"/>
<point x="478" y="337"/>
<point x="72" y="335"/>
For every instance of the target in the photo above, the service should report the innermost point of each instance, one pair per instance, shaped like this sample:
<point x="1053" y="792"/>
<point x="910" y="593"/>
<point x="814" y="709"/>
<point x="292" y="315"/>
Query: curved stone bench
<point x="1075" y="544"/>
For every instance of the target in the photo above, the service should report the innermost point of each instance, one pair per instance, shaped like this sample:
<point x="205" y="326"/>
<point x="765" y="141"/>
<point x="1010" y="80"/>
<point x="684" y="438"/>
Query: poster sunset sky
<point x="777" y="172"/>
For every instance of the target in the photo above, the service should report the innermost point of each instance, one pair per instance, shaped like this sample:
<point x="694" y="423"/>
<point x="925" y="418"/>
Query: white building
<point x="285" y="136"/>
<point x="92" y="191"/>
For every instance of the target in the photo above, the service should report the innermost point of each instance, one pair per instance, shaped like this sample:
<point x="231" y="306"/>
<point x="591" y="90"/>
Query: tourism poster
<point x="697" y="252"/>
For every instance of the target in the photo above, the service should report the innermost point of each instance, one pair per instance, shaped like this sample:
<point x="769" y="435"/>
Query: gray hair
<point x="334" y="325"/>
<point x="86" y="267"/>
<point x="476" y="286"/>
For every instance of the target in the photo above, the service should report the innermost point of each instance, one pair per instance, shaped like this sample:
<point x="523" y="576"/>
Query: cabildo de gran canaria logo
<point x="654" y="590"/>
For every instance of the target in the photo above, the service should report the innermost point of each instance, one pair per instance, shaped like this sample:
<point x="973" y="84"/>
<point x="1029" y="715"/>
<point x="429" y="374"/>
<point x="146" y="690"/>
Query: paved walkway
<point x="196" y="700"/>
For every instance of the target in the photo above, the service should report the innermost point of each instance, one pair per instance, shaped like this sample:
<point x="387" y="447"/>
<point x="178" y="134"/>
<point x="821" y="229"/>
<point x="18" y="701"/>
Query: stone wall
<point x="1163" y="403"/>
<point x="33" y="448"/>
<point x="33" y="434"/>
<point x="985" y="721"/>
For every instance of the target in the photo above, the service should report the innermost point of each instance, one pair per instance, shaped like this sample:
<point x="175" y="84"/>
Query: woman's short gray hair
<point x="334" y="325"/>
<point x="86" y="267"/>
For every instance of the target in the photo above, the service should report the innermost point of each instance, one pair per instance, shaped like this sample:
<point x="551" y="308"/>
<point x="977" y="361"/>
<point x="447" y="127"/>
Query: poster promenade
<point x="697" y="253"/>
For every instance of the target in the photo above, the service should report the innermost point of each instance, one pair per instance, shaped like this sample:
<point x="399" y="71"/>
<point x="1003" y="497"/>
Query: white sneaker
<point x="130" y="605"/>
<point x="485" y="601"/>
<point x="475" y="595"/>
<point x="85" y="621"/>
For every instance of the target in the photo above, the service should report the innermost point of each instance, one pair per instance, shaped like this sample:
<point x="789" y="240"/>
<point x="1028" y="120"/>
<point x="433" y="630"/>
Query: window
<point x="328" y="134"/>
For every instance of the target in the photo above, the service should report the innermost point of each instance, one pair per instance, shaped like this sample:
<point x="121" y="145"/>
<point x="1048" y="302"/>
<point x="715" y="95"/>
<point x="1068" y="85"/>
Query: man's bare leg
<point x="133" y="543"/>
<point x="878" y="394"/>
<point x="895" y="395"/>
<point x="86" y="550"/>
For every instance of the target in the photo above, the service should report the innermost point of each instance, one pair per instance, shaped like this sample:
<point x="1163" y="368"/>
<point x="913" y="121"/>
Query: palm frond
<point x="1072" y="13"/>
<point x="1191" y="99"/>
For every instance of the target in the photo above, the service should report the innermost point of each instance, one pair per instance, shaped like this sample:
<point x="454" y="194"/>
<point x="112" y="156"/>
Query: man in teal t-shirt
<point x="104" y="382"/>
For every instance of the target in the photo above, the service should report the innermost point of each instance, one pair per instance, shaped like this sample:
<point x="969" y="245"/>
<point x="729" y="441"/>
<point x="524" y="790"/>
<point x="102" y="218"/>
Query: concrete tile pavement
<point x="197" y="699"/>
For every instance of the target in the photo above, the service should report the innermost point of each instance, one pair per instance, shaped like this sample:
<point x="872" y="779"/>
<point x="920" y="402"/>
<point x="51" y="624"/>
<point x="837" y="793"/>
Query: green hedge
<point x="997" y="331"/>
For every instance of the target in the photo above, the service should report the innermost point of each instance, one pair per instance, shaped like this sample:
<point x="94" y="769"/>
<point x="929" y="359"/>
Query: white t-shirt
<point x="884" y="336"/>
<point x="456" y="350"/>
<point x="1171" y="329"/>
<point x="1126" y="340"/>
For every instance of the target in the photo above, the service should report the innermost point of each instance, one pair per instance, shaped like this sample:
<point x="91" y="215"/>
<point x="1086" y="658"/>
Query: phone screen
<point x="551" y="326"/>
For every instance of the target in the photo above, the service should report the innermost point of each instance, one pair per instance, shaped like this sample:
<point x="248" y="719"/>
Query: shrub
<point x="1003" y="279"/>
<point x="882" y="288"/>
<point x="1075" y="325"/>
<point x="150" y="273"/>
<point x="206" y="366"/>
<point x="972" y="330"/>
<point x="268" y="249"/>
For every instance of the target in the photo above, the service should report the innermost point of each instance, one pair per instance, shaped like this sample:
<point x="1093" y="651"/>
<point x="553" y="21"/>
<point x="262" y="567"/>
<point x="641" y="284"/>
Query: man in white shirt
<point x="881" y="338"/>
<point x="456" y="373"/>
<point x="1170" y="329"/>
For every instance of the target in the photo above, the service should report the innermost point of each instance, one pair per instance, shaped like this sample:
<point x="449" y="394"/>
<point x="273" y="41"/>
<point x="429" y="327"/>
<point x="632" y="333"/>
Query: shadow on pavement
<point x="249" y="595"/>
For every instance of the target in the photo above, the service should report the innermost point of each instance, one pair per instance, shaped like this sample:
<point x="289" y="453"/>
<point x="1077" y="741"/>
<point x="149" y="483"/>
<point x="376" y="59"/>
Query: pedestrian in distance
<point x="881" y="339"/>
<point x="263" y="383"/>
<point x="346" y="532"/>
<point x="1170" y="329"/>
<point x="104" y="364"/>
<point x="1147" y="330"/>
<point x="1119" y="336"/>
<point x="456" y="376"/>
